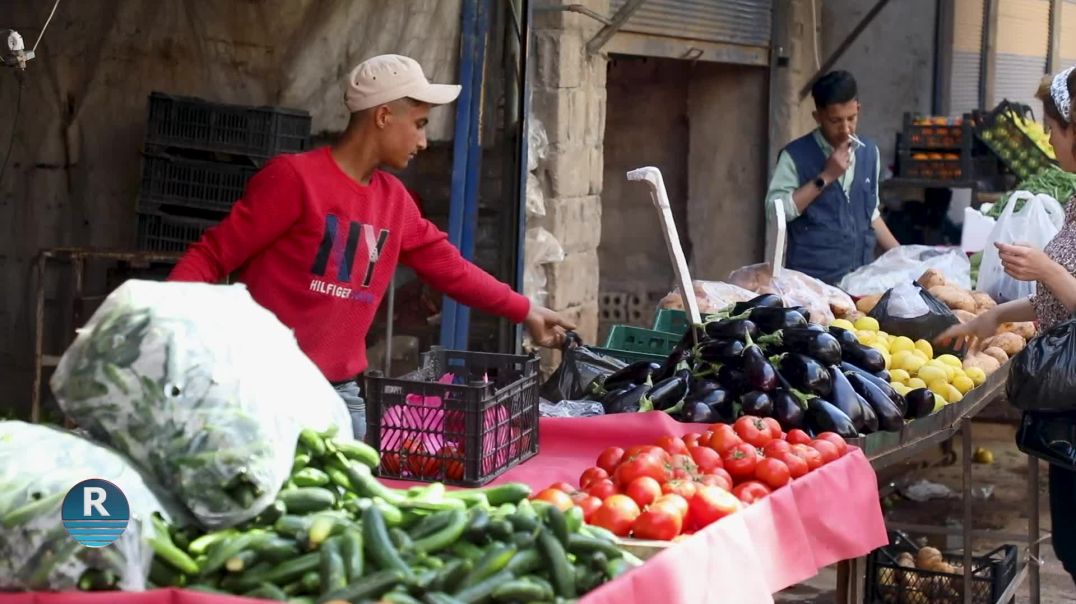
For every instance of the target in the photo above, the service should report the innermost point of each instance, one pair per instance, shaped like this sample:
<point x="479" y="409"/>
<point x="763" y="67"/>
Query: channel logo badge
<point x="95" y="512"/>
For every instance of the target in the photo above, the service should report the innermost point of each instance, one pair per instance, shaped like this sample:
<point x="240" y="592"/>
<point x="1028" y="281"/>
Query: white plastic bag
<point x="1035" y="224"/>
<point x="905" y="264"/>
<point x="905" y="302"/>
<point x="38" y="466"/>
<point x="202" y="388"/>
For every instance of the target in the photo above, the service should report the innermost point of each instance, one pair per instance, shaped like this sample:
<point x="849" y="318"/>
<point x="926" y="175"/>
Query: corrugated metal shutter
<point x="967" y="55"/>
<point x="1022" y="45"/>
<point x="734" y="31"/>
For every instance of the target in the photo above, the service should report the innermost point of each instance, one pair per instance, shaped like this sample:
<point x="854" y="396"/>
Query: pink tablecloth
<point x="829" y="515"/>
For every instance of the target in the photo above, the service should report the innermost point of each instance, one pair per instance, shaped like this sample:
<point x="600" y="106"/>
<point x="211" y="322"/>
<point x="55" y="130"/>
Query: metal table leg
<point x="39" y="341"/>
<point x="844" y="572"/>
<point x="965" y="437"/>
<point x="1033" y="527"/>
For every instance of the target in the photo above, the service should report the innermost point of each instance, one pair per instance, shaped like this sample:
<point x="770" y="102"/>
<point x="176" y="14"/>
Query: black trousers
<point x="1063" y="516"/>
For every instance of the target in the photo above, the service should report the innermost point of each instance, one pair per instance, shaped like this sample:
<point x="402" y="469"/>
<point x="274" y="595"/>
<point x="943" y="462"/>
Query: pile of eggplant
<point x="763" y="359"/>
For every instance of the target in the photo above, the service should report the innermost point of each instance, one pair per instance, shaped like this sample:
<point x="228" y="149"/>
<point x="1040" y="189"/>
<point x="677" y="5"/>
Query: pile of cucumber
<point x="335" y="533"/>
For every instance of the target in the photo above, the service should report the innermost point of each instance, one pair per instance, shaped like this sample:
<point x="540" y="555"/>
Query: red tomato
<point x="773" y="473"/>
<point x="644" y="464"/>
<point x="603" y="489"/>
<point x="808" y="454"/>
<point x="740" y="461"/>
<point x="683" y="467"/>
<point x="776" y="449"/>
<point x="643" y="490"/>
<point x="558" y="498"/>
<point x="719" y="478"/>
<point x="796" y="436"/>
<point x="723" y="440"/>
<point x="390" y="463"/>
<point x="683" y="488"/>
<point x="453" y="462"/>
<point x="609" y="459"/>
<point x="797" y="466"/>
<point x="751" y="491"/>
<point x="693" y="439"/>
<point x="673" y="502"/>
<point x="718" y="427"/>
<point x="673" y="444"/>
<point x="616" y="514"/>
<point x="563" y="486"/>
<point x="659" y="523"/>
<point x="775" y="428"/>
<point x="637" y="449"/>
<point x="829" y="451"/>
<point x="753" y="431"/>
<point x="578" y="496"/>
<point x="422" y="464"/>
<point x="592" y="475"/>
<point x="711" y="504"/>
<point x="589" y="505"/>
<point x="836" y="439"/>
<point x="705" y="458"/>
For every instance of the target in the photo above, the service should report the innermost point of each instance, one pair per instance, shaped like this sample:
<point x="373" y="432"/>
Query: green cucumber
<point x="301" y="461"/>
<point x="311" y="582"/>
<point x="310" y="477"/>
<point x="440" y="598"/>
<point x="525" y="562"/>
<point x="430" y="524"/>
<point x="241" y="561"/>
<point x="351" y="549"/>
<point x="581" y="545"/>
<point x="305" y="500"/>
<point x="365" y="484"/>
<point x="313" y="442"/>
<point x="480" y="591"/>
<point x="358" y="451"/>
<point x="493" y="561"/>
<point x="379" y="545"/>
<point x="222" y="551"/>
<point x="446" y="536"/>
<point x="369" y="587"/>
<point x="519" y="590"/>
<point x="267" y="591"/>
<point x="558" y="523"/>
<point x="202" y="544"/>
<point x="478" y="524"/>
<point x="560" y="570"/>
<point x="278" y="549"/>
<point x="333" y="573"/>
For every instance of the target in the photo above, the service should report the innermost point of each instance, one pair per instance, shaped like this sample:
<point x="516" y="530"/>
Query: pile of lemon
<point x="912" y="365"/>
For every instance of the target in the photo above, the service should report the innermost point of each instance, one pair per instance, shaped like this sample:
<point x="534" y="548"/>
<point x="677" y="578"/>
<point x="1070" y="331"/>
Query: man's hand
<point x="546" y="327"/>
<point x="1024" y="262"/>
<point x="838" y="162"/>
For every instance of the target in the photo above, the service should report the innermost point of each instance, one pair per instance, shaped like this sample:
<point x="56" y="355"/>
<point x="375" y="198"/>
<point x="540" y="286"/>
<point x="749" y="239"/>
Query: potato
<point x="953" y="297"/>
<point x="996" y="353"/>
<point x="1024" y="329"/>
<point x="673" y="301"/>
<point x="927" y="555"/>
<point x="853" y="316"/>
<point x="867" y="303"/>
<point x="1009" y="342"/>
<point x="983" y="301"/>
<point x="986" y="363"/>
<point x="932" y="278"/>
<point x="963" y="315"/>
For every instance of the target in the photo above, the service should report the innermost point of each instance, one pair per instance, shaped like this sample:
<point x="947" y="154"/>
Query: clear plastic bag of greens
<point x="202" y="388"/>
<point x="38" y="466"/>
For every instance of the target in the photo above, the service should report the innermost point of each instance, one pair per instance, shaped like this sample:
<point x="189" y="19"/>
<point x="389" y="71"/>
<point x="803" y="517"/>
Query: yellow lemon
<point x="880" y="346"/>
<point x="898" y="374"/>
<point x="916" y="383"/>
<point x="867" y="323"/>
<point x="920" y="354"/>
<point x="910" y="363"/>
<point x="883" y="335"/>
<point x="925" y="347"/>
<point x="865" y="338"/>
<point x="950" y="360"/>
<point x="954" y="395"/>
<point x="902" y="343"/>
<point x="949" y="372"/>
<point x="963" y="383"/>
<point x="977" y="375"/>
<point x="939" y="402"/>
<point x="930" y="373"/>
<point x="939" y="386"/>
<point x="900" y="388"/>
<point x="843" y="324"/>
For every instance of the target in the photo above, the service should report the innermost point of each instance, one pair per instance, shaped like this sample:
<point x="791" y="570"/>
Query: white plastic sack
<point x="38" y="466"/>
<point x="906" y="303"/>
<point x="905" y="264"/>
<point x="535" y="198"/>
<point x="202" y="388"/>
<point x="537" y="143"/>
<point x="1035" y="224"/>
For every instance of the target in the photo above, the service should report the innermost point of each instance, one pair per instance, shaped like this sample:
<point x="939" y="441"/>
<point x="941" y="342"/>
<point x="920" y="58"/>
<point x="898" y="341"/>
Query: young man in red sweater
<point x="317" y="235"/>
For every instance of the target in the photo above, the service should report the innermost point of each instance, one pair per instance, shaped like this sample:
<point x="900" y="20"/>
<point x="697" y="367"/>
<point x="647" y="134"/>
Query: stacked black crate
<point x="197" y="159"/>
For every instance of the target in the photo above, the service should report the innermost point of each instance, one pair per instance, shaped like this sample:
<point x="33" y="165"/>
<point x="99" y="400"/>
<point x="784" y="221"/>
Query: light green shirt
<point x="786" y="180"/>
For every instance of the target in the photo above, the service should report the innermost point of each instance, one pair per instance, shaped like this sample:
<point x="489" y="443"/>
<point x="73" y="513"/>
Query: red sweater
<point x="302" y="236"/>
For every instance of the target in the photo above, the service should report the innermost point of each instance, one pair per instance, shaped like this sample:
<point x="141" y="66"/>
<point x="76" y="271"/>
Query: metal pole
<point x="988" y="65"/>
<point x="1053" y="55"/>
<point x="619" y="19"/>
<point x="965" y="437"/>
<point x="524" y="151"/>
<point x="839" y="52"/>
<point x="1033" y="526"/>
<point x="39" y="341"/>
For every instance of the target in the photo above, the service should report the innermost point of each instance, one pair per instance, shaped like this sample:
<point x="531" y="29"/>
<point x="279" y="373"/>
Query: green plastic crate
<point x="631" y="344"/>
<point x="671" y="320"/>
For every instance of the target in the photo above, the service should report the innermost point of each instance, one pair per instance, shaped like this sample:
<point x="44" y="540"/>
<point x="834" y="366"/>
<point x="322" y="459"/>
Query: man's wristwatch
<point x="819" y="182"/>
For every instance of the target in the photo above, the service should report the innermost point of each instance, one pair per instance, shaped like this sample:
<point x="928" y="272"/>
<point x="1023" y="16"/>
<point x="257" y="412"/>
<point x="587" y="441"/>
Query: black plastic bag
<point x="1042" y="377"/>
<point x="579" y="367"/>
<point x="899" y="312"/>
<point x="1050" y="437"/>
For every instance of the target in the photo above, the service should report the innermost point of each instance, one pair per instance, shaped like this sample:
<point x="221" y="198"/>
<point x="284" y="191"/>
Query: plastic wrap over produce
<point x="712" y="296"/>
<point x="537" y="143"/>
<point x="824" y="302"/>
<point x="38" y="466"/>
<point x="205" y="390"/>
<point x="542" y="248"/>
<point x="904" y="264"/>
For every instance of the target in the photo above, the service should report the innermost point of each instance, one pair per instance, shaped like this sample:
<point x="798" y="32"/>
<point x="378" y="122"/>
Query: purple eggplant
<point x="880" y="383"/>
<point x="634" y="374"/>
<point x="822" y="416"/>
<point x="805" y="374"/>
<point x="845" y="398"/>
<point x="697" y="412"/>
<point x="890" y="417"/>
<point x="627" y="400"/>
<point x="921" y="403"/>
<point x="760" y="373"/>
<point x="770" y="320"/>
<point x="760" y="301"/>
<point x="757" y="404"/>
<point x="787" y="409"/>
<point x="731" y="329"/>
<point x="701" y="387"/>
<point x="665" y="394"/>
<point x="818" y="345"/>
<point x="732" y="379"/>
<point x="721" y="351"/>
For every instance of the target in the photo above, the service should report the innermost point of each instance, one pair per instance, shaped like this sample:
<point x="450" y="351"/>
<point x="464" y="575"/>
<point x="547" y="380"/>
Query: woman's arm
<point x="967" y="335"/>
<point x="1061" y="284"/>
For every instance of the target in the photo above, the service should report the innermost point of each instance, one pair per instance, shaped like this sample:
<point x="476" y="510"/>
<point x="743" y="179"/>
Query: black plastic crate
<point x="464" y="433"/>
<point x="925" y="132"/>
<point x="890" y="583"/>
<point x="193" y="123"/>
<point x="158" y="232"/>
<point x="181" y="182"/>
<point x="998" y="129"/>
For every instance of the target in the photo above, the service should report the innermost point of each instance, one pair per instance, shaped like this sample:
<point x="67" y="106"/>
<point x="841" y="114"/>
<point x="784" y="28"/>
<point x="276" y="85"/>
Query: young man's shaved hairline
<point x="396" y="105"/>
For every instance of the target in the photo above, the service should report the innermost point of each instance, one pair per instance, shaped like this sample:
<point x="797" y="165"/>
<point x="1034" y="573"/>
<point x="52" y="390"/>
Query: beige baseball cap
<point x="386" y="78"/>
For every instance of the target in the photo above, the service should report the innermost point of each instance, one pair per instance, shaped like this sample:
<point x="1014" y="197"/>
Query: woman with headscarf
<point x="1053" y="269"/>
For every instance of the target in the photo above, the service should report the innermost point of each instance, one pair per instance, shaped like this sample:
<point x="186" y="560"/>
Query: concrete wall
<point x="893" y="61"/>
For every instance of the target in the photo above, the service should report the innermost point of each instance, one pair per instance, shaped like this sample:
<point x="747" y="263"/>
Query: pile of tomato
<point x="682" y="484"/>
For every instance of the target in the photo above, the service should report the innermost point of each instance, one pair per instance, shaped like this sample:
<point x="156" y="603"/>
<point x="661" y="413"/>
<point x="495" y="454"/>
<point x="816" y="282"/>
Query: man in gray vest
<point x="827" y="181"/>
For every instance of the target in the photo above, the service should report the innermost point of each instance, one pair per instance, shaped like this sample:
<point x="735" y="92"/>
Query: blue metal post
<point x="524" y="151"/>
